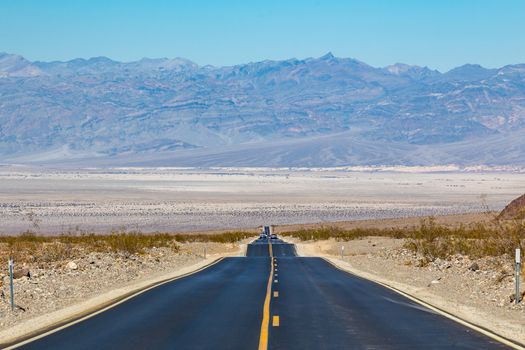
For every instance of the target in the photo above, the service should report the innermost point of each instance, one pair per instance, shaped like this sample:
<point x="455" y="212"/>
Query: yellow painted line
<point x="276" y="294"/>
<point x="265" y="324"/>
<point x="443" y="313"/>
<point x="275" y="321"/>
<point x="105" y="308"/>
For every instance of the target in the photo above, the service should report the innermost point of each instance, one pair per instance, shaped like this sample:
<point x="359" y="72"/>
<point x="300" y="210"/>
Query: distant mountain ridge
<point x="323" y="111"/>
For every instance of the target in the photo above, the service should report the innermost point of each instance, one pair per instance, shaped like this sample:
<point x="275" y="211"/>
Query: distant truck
<point x="267" y="233"/>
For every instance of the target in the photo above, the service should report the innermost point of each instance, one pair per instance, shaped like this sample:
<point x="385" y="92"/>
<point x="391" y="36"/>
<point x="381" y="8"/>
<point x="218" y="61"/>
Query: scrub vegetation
<point x="433" y="241"/>
<point x="31" y="247"/>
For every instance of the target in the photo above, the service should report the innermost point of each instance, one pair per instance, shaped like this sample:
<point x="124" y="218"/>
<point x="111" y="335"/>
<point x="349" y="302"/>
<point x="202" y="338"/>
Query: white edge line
<point x="472" y="326"/>
<point x="54" y="330"/>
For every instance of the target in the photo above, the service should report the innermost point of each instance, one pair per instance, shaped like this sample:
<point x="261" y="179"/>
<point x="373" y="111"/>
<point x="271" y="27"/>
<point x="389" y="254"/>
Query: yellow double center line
<point x="263" y="339"/>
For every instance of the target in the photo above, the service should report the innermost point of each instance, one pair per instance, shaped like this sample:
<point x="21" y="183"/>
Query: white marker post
<point x="518" y="268"/>
<point x="11" y="264"/>
<point x="342" y="251"/>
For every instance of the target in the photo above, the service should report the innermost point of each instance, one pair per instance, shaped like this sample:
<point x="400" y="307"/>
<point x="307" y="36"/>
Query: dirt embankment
<point x="515" y="209"/>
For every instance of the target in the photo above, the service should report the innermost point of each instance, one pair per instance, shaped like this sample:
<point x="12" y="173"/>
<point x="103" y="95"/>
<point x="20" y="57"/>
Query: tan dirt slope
<point x="515" y="209"/>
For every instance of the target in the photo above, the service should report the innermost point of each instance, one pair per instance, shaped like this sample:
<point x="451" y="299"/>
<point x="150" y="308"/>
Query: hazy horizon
<point x="437" y="34"/>
<point x="87" y="58"/>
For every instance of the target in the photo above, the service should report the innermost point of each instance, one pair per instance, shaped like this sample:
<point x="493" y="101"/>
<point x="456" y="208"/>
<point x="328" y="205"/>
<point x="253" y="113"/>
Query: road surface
<point x="262" y="302"/>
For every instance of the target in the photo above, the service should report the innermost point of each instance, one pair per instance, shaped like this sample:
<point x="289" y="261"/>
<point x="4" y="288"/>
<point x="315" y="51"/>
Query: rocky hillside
<point x="326" y="111"/>
<point x="515" y="209"/>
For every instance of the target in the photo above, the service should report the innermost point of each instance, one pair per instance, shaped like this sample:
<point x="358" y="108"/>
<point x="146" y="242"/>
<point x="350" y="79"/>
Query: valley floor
<point x="177" y="200"/>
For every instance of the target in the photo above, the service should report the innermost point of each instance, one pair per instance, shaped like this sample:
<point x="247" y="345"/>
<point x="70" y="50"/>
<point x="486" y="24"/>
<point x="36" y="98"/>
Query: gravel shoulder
<point x="67" y="290"/>
<point x="477" y="291"/>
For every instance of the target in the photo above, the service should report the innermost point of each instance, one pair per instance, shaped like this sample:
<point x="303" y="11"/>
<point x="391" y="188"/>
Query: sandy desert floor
<point x="56" y="201"/>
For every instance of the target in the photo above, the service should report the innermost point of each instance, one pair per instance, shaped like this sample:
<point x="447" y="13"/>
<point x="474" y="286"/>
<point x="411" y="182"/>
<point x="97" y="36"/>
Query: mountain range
<point x="325" y="111"/>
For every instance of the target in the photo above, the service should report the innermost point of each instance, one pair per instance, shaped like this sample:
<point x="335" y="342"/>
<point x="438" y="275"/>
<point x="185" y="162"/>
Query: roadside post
<point x="518" y="269"/>
<point x="342" y="251"/>
<point x="205" y="251"/>
<point x="11" y="288"/>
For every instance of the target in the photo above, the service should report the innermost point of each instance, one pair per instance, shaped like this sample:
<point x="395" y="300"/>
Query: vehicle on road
<point x="273" y="236"/>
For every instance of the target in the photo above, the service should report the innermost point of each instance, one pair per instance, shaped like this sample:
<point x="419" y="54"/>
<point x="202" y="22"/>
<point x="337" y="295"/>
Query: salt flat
<point x="171" y="199"/>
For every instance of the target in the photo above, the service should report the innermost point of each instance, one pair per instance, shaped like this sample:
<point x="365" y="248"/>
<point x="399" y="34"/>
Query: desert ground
<point x="187" y="199"/>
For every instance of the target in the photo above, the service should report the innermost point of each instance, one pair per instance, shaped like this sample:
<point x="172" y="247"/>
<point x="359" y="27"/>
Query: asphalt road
<point x="312" y="306"/>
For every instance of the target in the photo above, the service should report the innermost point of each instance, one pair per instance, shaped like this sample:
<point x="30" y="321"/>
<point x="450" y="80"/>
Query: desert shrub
<point x="324" y="232"/>
<point x="30" y="247"/>
<point x="225" y="237"/>
<point x="433" y="241"/>
<point x="136" y="242"/>
<point x="479" y="240"/>
<point x="120" y="241"/>
<point x="327" y="232"/>
<point x="21" y="246"/>
<point x="53" y="251"/>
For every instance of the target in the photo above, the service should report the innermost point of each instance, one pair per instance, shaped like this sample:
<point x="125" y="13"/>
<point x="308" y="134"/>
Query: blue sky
<point x="440" y="34"/>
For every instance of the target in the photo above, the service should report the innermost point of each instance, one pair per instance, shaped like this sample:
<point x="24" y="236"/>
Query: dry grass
<point x="476" y="241"/>
<point x="327" y="232"/>
<point x="225" y="237"/>
<point x="434" y="241"/>
<point x="32" y="248"/>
